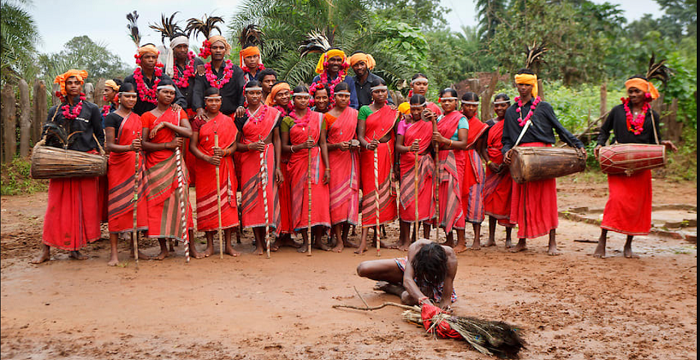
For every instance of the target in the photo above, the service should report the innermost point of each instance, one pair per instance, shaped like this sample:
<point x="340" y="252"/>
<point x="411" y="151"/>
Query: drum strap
<point x="522" y="132"/>
<point x="653" y="126"/>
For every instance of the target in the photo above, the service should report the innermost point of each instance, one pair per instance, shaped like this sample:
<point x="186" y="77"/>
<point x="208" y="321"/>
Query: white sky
<point x="105" y="21"/>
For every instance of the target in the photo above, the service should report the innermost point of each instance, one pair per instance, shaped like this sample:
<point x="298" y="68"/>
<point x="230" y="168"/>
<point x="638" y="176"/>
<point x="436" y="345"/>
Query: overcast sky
<point x="105" y="21"/>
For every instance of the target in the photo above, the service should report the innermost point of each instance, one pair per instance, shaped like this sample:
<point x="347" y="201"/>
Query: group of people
<point x="311" y="159"/>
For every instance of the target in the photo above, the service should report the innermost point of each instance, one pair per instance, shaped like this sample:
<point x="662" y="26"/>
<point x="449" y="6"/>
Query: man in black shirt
<point x="361" y="64"/>
<point x="534" y="204"/>
<point x="146" y="78"/>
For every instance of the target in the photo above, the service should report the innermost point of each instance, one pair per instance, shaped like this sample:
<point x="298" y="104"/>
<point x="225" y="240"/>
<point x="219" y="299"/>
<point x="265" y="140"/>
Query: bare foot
<point x="629" y="254"/>
<point x="338" y="247"/>
<point x="475" y="247"/>
<point x="171" y="247"/>
<point x="274" y="247"/>
<point x="209" y="251"/>
<point x="599" y="251"/>
<point x="113" y="261"/>
<point x="259" y="250"/>
<point x="193" y="253"/>
<point x="285" y="240"/>
<point x="318" y="244"/>
<point x="348" y="243"/>
<point x="45" y="256"/>
<point x="303" y="248"/>
<point x="509" y="244"/>
<point x="163" y="254"/>
<point x="77" y="255"/>
<point x="142" y="256"/>
<point x="361" y="248"/>
<point x="490" y="243"/>
<point x="553" y="251"/>
<point x="460" y="248"/>
<point x="519" y="247"/>
<point x="388" y="246"/>
<point x="404" y="247"/>
<point x="231" y="251"/>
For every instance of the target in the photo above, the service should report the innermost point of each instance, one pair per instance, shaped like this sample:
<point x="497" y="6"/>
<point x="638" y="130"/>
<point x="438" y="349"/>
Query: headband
<point x="414" y="106"/>
<point x="367" y="58"/>
<point x="448" y="98"/>
<point x="323" y="60"/>
<point x="501" y="102"/>
<point x="128" y="92"/>
<point x="213" y="97"/>
<point x="168" y="55"/>
<point x="343" y="93"/>
<point x="112" y="85"/>
<point x="179" y="40"/>
<point x="529" y="80"/>
<point x="81" y="75"/>
<point x="273" y="92"/>
<point x="301" y="94"/>
<point x="643" y="85"/>
<point x="168" y="86"/>
<point x="470" y="102"/>
<point x="420" y="78"/>
<point x="381" y="87"/>
<point x="253" y="88"/>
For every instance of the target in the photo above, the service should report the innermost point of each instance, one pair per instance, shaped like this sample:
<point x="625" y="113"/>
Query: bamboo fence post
<point x="54" y="99"/>
<point x="9" y="123"/>
<point x="25" y="120"/>
<point x="40" y="109"/>
<point x="89" y="90"/>
<point x="99" y="90"/>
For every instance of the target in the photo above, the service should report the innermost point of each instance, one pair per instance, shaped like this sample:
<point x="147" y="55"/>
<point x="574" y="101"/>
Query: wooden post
<point x="25" y="120"/>
<point x="474" y="85"/>
<point x="89" y="91"/>
<point x="54" y="99"/>
<point x="99" y="90"/>
<point x="486" y="103"/>
<point x="9" y="123"/>
<point x="673" y="129"/>
<point x="540" y="89"/>
<point x="603" y="99"/>
<point x="40" y="110"/>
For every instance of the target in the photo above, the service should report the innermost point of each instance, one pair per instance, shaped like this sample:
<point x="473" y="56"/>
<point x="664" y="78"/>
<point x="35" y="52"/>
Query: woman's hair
<point x="252" y="83"/>
<point x="118" y="82"/>
<point x="343" y="86"/>
<point x="377" y="82"/>
<point x="419" y="75"/>
<point x="525" y="71"/>
<point x="211" y="91"/>
<point x="430" y="266"/>
<point x="324" y="87"/>
<point x="470" y="96"/>
<point x="452" y="92"/>
<point x="417" y="99"/>
<point x="501" y="96"/>
<point x="127" y="87"/>
<point x="300" y="89"/>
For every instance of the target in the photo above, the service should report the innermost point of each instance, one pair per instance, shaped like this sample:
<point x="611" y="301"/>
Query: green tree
<point x="490" y="14"/>
<point x="425" y="14"/>
<point x="19" y="39"/>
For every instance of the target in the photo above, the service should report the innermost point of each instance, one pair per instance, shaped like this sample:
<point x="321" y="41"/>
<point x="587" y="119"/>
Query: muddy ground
<point x="568" y="307"/>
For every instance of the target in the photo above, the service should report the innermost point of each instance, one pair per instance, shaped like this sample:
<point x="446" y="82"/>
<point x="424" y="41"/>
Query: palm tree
<point x="19" y="38"/>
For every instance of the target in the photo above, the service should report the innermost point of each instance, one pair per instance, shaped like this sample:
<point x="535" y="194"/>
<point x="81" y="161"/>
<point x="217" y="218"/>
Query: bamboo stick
<point x="135" y="233"/>
<point x="376" y="193"/>
<point x="263" y="170"/>
<point x="218" y="198"/>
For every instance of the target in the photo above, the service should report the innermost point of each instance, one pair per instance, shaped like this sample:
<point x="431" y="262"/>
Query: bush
<point x="16" y="179"/>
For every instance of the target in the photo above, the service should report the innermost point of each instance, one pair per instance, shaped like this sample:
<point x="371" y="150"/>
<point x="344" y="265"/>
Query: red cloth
<point x="427" y="312"/>
<point x="377" y="126"/>
<point x="434" y="108"/>
<point x="451" y="172"/>
<point x="628" y="210"/>
<point x="252" y="201"/>
<point x="344" y="186"/>
<point x="534" y="205"/>
<point x="189" y="157"/>
<point x="120" y="174"/>
<point x="162" y="193"/>
<point x="72" y="218"/>
<point x="207" y="205"/>
<point x="299" y="172"/>
<point x="426" y="167"/>
<point x="103" y="196"/>
<point x="497" y="187"/>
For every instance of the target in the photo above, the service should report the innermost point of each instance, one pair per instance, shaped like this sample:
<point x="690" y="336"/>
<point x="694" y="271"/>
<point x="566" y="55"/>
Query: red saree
<point x="377" y="126"/>
<point x="451" y="169"/>
<point x="298" y="172"/>
<point x="473" y="181"/>
<point x="162" y="194"/>
<point x="497" y="187"/>
<point x="72" y="218"/>
<point x="628" y="210"/>
<point x="344" y="185"/>
<point x="252" y="202"/>
<point x="422" y="130"/>
<point x="120" y="175"/>
<point x="207" y="206"/>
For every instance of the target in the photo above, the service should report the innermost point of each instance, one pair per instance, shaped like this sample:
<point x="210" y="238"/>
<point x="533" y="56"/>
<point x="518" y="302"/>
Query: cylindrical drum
<point x="54" y="163"/>
<point x="628" y="158"/>
<point x="539" y="163"/>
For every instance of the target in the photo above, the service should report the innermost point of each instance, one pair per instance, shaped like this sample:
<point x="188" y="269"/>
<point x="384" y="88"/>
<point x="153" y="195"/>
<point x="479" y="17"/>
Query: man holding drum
<point x="628" y="210"/>
<point x="534" y="203"/>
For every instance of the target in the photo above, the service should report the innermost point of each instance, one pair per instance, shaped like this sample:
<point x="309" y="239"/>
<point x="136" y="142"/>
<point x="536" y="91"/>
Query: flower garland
<point x="331" y="86"/>
<point x="304" y="121"/>
<point x="284" y="111"/>
<point x="67" y="113"/>
<point x="105" y="110"/>
<point x="146" y="93"/>
<point x="522" y="121"/>
<point x="213" y="81"/>
<point x="258" y="115"/>
<point x="635" y="125"/>
<point x="184" y="81"/>
<point x="261" y="67"/>
<point x="205" y="51"/>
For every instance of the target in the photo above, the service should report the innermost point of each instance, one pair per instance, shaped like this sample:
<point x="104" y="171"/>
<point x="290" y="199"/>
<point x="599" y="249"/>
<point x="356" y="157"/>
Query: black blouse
<point x="617" y="122"/>
<point x="88" y="122"/>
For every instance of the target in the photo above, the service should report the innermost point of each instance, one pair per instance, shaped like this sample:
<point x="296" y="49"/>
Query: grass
<point x="16" y="179"/>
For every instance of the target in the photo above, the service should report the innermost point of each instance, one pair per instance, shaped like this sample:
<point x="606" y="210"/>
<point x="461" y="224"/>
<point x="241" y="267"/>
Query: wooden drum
<point x="56" y="163"/>
<point x="539" y="163"/>
<point x="627" y="158"/>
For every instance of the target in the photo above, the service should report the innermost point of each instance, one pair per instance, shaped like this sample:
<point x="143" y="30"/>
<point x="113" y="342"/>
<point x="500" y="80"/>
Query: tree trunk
<point x="540" y="89"/>
<point x="54" y="99"/>
<point x="474" y="85"/>
<point x="673" y="128"/>
<point x="25" y="119"/>
<point x="486" y="103"/>
<point x="89" y="91"/>
<point x="40" y="110"/>
<point x="9" y="123"/>
<point x="99" y="90"/>
<point x="603" y="99"/>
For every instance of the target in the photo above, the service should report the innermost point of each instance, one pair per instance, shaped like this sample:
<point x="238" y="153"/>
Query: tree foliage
<point x="19" y="39"/>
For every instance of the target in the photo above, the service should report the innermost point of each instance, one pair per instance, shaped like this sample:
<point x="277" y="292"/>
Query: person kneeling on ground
<point x="425" y="274"/>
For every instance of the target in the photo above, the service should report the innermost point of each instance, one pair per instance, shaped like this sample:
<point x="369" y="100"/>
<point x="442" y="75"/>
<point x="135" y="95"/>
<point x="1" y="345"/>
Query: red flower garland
<point x="259" y="115"/>
<point x="205" y="51"/>
<point x="304" y="121"/>
<point x="261" y="67"/>
<point x="522" y="121"/>
<point x="284" y="111"/>
<point x="105" y="110"/>
<point x="635" y="125"/>
<point x="184" y="81"/>
<point x="228" y="72"/>
<point x="67" y="113"/>
<point x="146" y="93"/>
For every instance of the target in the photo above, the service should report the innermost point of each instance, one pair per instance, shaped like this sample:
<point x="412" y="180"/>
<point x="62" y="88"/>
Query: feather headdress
<point x="204" y="26"/>
<point x="133" y="28"/>
<point x="251" y="36"/>
<point x="315" y="42"/>
<point x="167" y="28"/>
<point x="658" y="71"/>
<point x="534" y="56"/>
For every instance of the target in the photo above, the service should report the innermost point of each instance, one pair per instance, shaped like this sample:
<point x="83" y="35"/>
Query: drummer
<point x="72" y="218"/>
<point x="628" y="210"/>
<point x="534" y="204"/>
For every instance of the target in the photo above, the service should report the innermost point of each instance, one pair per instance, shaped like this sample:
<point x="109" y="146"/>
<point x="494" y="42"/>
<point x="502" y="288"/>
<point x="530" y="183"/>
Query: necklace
<point x="324" y="80"/>
<point x="635" y="123"/>
<point x="67" y="113"/>
<point x="184" y="80"/>
<point x="258" y="114"/>
<point x="219" y="83"/>
<point x="145" y="93"/>
<point x="303" y="122"/>
<point x="522" y="121"/>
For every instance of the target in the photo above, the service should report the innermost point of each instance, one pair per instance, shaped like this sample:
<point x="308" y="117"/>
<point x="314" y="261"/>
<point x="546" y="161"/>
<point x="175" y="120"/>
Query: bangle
<point x="292" y="148"/>
<point x="450" y="143"/>
<point x="328" y="169"/>
<point x="488" y="162"/>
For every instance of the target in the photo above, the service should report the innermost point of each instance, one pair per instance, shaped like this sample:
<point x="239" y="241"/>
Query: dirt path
<point x="569" y="307"/>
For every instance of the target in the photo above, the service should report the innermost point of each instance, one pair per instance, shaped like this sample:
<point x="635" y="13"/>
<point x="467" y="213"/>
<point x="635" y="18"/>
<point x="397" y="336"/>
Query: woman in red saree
<point x="208" y="156"/>
<point x="303" y="132"/>
<point x="498" y="183"/>
<point x="344" y="187"/>
<point x="375" y="131"/>
<point x="413" y="138"/>
<point x="165" y="205"/>
<point x="451" y="136"/>
<point x="123" y="141"/>
<point x="259" y="136"/>
<point x="419" y="86"/>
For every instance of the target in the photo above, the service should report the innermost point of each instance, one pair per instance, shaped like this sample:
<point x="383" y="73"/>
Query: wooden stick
<point x="135" y="233"/>
<point x="308" y="178"/>
<point x="263" y="170"/>
<point x="415" y="194"/>
<point x="181" y="190"/>
<point x="376" y="193"/>
<point x="369" y="308"/>
<point x="218" y="198"/>
<point x="436" y="148"/>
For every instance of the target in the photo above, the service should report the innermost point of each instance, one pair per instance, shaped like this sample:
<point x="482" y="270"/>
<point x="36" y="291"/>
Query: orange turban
<point x="216" y="38"/>
<point x="643" y="85"/>
<point x="273" y="92"/>
<point x="148" y="49"/>
<point x="367" y="58"/>
<point x="81" y="75"/>
<point x="249" y="51"/>
<point x="329" y="54"/>
<point x="527" y="79"/>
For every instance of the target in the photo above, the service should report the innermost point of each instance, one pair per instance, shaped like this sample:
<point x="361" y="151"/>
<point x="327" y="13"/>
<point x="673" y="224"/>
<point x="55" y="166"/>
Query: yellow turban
<point x="405" y="108"/>
<point x="329" y="54"/>
<point x="273" y="92"/>
<point x="112" y="85"/>
<point x="367" y="58"/>
<point x="81" y="75"/>
<point x="216" y="38"/>
<point x="527" y="79"/>
<point x="148" y="49"/>
<point x="643" y="85"/>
